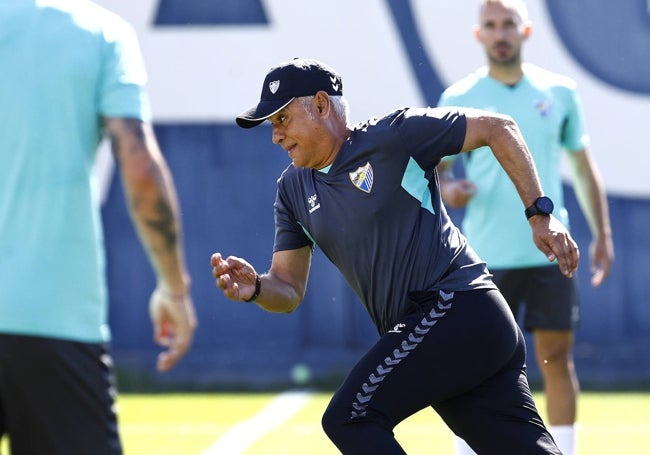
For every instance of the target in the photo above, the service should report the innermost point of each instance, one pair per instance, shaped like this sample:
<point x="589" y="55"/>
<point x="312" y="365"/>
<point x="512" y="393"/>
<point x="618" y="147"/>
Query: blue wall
<point x="226" y="178"/>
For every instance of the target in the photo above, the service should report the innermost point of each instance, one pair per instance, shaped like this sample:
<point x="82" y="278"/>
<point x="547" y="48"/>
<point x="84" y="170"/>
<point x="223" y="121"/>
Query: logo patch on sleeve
<point x="363" y="177"/>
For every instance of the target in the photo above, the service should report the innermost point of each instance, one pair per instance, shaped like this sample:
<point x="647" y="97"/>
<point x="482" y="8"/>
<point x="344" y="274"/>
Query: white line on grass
<point x="236" y="440"/>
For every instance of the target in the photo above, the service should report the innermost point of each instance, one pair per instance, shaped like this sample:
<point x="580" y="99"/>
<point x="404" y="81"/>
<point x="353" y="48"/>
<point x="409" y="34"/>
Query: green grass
<point x="611" y="423"/>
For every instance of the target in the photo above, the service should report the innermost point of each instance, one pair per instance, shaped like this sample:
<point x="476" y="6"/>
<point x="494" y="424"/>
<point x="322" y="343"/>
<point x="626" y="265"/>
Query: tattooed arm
<point x="153" y="206"/>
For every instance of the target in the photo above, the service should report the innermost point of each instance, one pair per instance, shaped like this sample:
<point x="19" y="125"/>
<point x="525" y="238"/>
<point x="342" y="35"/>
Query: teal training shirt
<point x="65" y="64"/>
<point x="548" y="111"/>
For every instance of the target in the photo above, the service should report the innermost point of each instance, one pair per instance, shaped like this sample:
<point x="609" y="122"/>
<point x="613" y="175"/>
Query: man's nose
<point x="278" y="135"/>
<point x="501" y="32"/>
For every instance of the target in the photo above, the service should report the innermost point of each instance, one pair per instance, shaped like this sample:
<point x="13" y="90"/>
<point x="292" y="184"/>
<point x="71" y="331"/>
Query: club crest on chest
<point x="363" y="177"/>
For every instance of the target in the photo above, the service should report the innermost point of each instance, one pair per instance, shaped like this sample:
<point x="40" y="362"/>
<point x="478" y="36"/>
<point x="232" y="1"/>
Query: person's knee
<point x="556" y="352"/>
<point x="552" y="348"/>
<point x="340" y="426"/>
<point x="556" y="364"/>
<point x="327" y="422"/>
<point x="333" y="422"/>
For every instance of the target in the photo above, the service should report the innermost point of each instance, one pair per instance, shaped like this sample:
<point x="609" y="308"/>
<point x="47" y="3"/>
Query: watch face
<point x="544" y="205"/>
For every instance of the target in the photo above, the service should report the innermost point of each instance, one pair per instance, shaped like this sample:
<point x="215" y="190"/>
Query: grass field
<point x="610" y="423"/>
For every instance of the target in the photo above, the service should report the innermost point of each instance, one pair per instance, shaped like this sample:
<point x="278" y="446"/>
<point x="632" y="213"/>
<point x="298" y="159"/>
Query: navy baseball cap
<point x="289" y="80"/>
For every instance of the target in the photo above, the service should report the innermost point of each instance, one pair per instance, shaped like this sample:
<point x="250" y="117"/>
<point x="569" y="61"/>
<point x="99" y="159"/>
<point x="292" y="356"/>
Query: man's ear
<point x="322" y="102"/>
<point x="528" y="29"/>
<point x="476" y="31"/>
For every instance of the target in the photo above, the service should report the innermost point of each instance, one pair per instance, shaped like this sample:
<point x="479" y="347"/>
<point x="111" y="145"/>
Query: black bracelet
<point x="258" y="288"/>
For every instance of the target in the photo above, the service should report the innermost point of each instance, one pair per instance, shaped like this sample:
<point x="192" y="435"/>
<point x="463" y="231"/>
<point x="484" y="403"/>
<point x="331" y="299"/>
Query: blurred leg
<point x="554" y="352"/>
<point x="554" y="356"/>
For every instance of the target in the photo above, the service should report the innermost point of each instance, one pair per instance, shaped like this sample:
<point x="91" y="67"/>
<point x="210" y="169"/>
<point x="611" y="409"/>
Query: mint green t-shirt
<point x="64" y="65"/>
<point x="547" y="109"/>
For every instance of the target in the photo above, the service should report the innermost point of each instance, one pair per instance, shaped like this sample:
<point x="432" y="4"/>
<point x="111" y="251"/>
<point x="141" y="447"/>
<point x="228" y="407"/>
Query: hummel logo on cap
<point x="289" y="80"/>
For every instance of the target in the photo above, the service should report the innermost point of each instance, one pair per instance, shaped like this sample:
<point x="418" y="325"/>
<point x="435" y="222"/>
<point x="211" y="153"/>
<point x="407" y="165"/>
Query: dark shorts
<point x="57" y="397"/>
<point x="460" y="353"/>
<point x="549" y="300"/>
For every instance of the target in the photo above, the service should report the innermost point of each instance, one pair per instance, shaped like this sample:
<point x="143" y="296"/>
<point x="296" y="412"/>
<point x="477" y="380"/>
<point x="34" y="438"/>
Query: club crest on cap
<point x="274" y="86"/>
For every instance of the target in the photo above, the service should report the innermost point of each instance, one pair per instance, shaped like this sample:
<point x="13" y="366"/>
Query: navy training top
<point x="377" y="214"/>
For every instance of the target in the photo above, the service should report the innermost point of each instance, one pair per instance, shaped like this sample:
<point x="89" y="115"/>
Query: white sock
<point x="565" y="438"/>
<point x="461" y="447"/>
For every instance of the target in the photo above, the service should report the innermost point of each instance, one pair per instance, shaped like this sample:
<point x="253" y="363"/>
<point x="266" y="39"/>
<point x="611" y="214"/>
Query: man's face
<point x="502" y="31"/>
<point x="297" y="129"/>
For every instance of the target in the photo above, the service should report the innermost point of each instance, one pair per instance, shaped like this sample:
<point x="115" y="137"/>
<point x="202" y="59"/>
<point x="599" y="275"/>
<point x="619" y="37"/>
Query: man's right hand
<point x="234" y="276"/>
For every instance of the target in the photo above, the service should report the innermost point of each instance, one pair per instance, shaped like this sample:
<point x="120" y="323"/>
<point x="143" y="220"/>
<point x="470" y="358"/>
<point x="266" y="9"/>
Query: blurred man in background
<point x="547" y="108"/>
<point x="69" y="70"/>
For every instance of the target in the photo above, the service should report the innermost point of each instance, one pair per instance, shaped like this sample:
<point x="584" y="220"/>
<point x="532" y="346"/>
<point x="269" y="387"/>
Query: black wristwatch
<point x="542" y="206"/>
